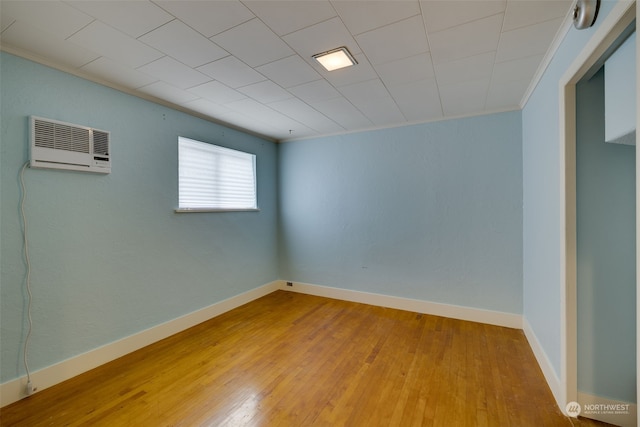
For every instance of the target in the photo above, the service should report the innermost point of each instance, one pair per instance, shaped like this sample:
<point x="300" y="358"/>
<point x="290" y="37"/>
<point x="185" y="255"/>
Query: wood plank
<point x="299" y="360"/>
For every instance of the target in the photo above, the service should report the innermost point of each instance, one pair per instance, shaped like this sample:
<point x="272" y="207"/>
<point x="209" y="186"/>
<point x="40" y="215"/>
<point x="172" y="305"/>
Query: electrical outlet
<point x="30" y="389"/>
<point x="289" y="283"/>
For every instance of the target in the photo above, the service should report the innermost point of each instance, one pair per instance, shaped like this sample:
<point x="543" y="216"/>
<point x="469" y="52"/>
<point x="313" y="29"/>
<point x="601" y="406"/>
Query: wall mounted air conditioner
<point x="60" y="145"/>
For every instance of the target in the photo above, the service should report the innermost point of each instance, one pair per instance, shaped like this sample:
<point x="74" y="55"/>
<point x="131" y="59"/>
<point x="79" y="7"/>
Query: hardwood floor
<point x="290" y="359"/>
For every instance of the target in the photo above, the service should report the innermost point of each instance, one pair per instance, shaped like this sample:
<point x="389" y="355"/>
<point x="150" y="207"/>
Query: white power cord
<point x="30" y="389"/>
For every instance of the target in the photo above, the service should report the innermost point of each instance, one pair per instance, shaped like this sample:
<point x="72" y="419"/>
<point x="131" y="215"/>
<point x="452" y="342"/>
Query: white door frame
<point x="623" y="13"/>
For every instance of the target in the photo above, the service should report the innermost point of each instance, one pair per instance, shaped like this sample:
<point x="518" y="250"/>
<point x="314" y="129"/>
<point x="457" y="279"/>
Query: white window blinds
<point x="215" y="178"/>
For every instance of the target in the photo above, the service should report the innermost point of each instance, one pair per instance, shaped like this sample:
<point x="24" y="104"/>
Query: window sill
<point x="201" y="210"/>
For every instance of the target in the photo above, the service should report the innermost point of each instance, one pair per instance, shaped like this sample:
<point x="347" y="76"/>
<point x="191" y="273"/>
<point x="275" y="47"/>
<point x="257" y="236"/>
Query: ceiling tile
<point x="360" y="72"/>
<point x="527" y="41"/>
<point x="253" y="43"/>
<point x="361" y="16"/>
<point x="165" y="91"/>
<point x="470" y="39"/>
<point x="51" y="17"/>
<point x="374" y="101"/>
<point x="315" y="91"/>
<point x="217" y="92"/>
<point x="208" y="17"/>
<point x="25" y="37"/>
<point x="5" y="21"/>
<point x="286" y="16"/>
<point x="320" y="38"/>
<point x="184" y="44"/>
<point x="517" y="69"/>
<point x="290" y="71"/>
<point x="132" y="17"/>
<point x="206" y="107"/>
<point x="266" y="114"/>
<point x="175" y="73"/>
<point x="307" y="115"/>
<point x="243" y="121"/>
<point x="232" y="72"/>
<point x="112" y="71"/>
<point x="299" y="133"/>
<point x="418" y="101"/>
<point x="440" y="15"/>
<point x="507" y="95"/>
<point x="114" y="44"/>
<point x="522" y="12"/>
<point x="265" y="92"/>
<point x="395" y="41"/>
<point x="465" y="69"/>
<point x="342" y="112"/>
<point x="249" y="62"/>
<point x="406" y="70"/>
<point x="464" y="98"/>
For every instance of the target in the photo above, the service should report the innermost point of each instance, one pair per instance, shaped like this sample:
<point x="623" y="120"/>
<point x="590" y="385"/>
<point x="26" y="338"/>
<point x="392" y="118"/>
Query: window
<point x="213" y="178"/>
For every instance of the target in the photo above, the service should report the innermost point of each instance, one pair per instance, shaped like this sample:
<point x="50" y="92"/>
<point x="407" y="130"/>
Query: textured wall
<point x="432" y="212"/>
<point x="542" y="217"/>
<point x="109" y="255"/>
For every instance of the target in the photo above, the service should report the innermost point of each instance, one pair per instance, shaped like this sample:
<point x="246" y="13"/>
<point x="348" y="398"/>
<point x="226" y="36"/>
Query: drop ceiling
<point x="249" y="64"/>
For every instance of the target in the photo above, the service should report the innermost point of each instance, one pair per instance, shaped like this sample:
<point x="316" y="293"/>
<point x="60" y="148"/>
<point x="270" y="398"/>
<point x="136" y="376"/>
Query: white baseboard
<point x="14" y="390"/>
<point x="490" y="317"/>
<point x="616" y="412"/>
<point x="545" y="365"/>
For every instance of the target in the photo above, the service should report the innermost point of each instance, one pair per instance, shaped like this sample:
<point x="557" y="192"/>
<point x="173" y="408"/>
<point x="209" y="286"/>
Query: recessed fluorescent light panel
<point x="335" y="59"/>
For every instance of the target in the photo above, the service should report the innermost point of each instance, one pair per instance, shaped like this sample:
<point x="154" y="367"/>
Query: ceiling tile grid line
<point x="165" y="25"/>
<point x="148" y="39"/>
<point x="99" y="8"/>
<point x="357" y="11"/>
<point x="306" y="58"/>
<point x="431" y="64"/>
<point x="209" y="18"/>
<point x="277" y="78"/>
<point x="391" y="22"/>
<point x="133" y="18"/>
<point x="175" y="52"/>
<point x="296" y="83"/>
<point x="418" y="60"/>
<point x="258" y="71"/>
<point x="309" y="40"/>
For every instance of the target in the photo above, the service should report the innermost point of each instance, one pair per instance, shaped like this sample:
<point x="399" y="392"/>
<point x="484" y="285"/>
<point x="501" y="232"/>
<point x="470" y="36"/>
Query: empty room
<point x="318" y="213"/>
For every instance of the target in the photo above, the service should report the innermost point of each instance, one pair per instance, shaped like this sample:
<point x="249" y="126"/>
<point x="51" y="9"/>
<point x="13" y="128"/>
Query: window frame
<point x="219" y="149"/>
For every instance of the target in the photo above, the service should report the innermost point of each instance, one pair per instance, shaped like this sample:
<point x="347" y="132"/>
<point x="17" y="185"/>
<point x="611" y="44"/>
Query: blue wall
<point x="606" y="253"/>
<point x="542" y="217"/>
<point x="431" y="212"/>
<point x="109" y="255"/>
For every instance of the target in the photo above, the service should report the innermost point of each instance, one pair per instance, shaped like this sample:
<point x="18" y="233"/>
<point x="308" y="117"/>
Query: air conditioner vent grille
<point x="100" y="142"/>
<point x="44" y="134"/>
<point x="59" y="145"/>
<point x="61" y="137"/>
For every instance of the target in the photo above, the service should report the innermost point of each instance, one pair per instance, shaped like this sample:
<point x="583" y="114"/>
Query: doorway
<point x="605" y="261"/>
<point x="583" y="307"/>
